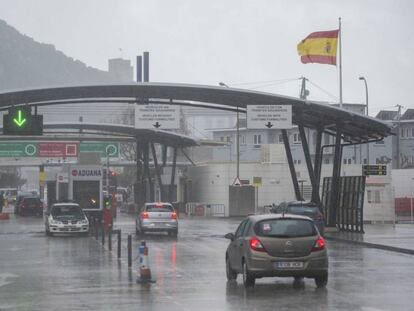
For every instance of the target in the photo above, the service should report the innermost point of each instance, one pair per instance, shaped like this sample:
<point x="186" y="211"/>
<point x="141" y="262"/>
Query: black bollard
<point x="119" y="243"/>
<point x="96" y="229"/>
<point x="110" y="239"/>
<point x="129" y="250"/>
<point x="103" y="235"/>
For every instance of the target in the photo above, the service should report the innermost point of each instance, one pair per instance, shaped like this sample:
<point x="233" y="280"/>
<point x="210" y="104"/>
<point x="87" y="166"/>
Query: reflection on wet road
<point x="76" y="273"/>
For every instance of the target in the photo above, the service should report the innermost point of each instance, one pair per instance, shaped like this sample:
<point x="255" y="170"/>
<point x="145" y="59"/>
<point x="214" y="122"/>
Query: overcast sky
<point x="236" y="41"/>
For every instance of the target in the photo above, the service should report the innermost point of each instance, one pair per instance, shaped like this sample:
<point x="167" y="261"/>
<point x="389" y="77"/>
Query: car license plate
<point x="288" y="264"/>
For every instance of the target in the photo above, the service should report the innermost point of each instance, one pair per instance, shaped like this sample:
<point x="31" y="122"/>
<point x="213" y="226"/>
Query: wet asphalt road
<point x="76" y="273"/>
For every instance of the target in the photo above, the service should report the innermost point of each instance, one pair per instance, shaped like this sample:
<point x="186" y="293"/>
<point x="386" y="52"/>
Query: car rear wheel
<point x="48" y="233"/>
<point x="248" y="278"/>
<point x="322" y="280"/>
<point x="231" y="274"/>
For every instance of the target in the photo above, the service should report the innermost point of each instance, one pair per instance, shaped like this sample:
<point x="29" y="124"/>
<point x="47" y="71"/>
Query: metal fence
<point x="349" y="209"/>
<point x="205" y="209"/>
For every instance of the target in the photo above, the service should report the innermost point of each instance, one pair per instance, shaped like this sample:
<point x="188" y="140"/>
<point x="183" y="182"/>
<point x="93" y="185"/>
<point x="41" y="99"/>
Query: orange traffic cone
<point x="144" y="272"/>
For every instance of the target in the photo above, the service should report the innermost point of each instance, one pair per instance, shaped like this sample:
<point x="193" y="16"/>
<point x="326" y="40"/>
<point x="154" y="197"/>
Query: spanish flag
<point x="319" y="47"/>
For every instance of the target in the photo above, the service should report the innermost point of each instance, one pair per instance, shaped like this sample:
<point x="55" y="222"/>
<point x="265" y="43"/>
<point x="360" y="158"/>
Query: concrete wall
<point x="210" y="185"/>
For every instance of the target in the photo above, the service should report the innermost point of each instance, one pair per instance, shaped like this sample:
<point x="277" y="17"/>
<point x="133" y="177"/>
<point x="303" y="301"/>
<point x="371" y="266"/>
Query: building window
<point x="374" y="196"/>
<point x="402" y="132"/>
<point x="295" y="162"/>
<point x="412" y="132"/>
<point x="326" y="139"/>
<point x="344" y="161"/>
<point x="296" y="138"/>
<point x="221" y="138"/>
<point x="349" y="161"/>
<point x="299" y="161"/>
<point x="365" y="161"/>
<point x="243" y="139"/>
<point x="228" y="139"/>
<point x="326" y="161"/>
<point x="258" y="139"/>
<point x="280" y="138"/>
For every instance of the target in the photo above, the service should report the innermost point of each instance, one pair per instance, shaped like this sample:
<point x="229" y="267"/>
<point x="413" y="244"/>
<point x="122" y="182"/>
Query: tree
<point x="11" y="178"/>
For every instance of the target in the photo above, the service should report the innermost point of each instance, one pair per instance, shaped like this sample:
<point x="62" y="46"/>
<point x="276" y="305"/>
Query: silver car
<point x="277" y="245"/>
<point x="157" y="217"/>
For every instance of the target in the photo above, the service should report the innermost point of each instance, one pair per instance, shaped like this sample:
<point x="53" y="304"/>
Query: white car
<point x="66" y="218"/>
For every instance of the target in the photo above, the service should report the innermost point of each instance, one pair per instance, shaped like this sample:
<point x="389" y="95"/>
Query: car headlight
<point x="54" y="222"/>
<point x="83" y="222"/>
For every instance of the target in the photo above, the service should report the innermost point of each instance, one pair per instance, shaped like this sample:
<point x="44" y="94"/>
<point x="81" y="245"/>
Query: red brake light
<point x="256" y="245"/>
<point x="319" y="244"/>
<point x="144" y="215"/>
<point x="174" y="215"/>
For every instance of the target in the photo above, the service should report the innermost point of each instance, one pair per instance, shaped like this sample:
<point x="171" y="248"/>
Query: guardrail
<point x="205" y="209"/>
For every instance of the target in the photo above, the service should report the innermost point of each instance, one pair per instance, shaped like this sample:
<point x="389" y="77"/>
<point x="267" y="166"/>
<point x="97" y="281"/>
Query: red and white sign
<point x="237" y="182"/>
<point x="62" y="177"/>
<point x="86" y="173"/>
<point x="58" y="149"/>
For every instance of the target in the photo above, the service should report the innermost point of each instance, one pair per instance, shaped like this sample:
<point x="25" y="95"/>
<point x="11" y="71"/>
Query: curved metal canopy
<point x="151" y="135"/>
<point x="354" y="127"/>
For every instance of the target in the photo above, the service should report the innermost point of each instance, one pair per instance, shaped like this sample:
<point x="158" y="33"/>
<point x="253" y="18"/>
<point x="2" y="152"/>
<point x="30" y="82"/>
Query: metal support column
<point x="147" y="174"/>
<point x="318" y="156"/>
<point x="174" y="165"/>
<point x="157" y="171"/>
<point x="306" y="152"/>
<point x="336" y="174"/>
<point x="138" y="193"/>
<point x="291" y="165"/>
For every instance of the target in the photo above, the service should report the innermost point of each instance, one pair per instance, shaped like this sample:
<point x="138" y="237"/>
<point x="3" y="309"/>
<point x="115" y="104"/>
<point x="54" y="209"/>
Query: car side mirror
<point x="230" y="236"/>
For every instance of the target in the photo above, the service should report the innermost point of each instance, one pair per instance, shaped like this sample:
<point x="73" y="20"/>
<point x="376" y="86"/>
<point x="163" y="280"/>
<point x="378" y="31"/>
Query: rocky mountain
<point x="25" y="63"/>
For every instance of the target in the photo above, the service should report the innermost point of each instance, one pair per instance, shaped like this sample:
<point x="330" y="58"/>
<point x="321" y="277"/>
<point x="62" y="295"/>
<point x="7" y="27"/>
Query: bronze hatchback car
<point x="277" y="245"/>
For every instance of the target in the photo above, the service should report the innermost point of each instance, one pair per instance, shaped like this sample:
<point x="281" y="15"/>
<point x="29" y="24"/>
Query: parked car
<point x="28" y="205"/>
<point x="157" y="217"/>
<point x="304" y="208"/>
<point x="66" y="218"/>
<point x="277" y="245"/>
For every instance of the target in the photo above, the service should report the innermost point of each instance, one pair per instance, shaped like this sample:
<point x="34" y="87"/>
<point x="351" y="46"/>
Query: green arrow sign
<point x="20" y="120"/>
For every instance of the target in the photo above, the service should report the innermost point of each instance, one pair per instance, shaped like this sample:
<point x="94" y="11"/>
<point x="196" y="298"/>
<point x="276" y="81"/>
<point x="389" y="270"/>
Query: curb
<point x="373" y="245"/>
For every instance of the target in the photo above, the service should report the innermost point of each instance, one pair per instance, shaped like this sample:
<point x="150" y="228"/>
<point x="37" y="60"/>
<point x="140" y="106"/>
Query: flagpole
<point x="340" y="64"/>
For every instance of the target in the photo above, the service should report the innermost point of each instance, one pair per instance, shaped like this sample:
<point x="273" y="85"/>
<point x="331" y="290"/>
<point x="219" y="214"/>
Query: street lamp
<point x="366" y="104"/>
<point x="237" y="138"/>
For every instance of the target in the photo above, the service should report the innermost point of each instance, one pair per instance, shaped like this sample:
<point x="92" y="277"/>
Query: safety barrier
<point x="204" y="209"/>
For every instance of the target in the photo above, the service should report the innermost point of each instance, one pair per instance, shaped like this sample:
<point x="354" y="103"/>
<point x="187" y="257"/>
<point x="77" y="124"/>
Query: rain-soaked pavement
<point x="76" y="273"/>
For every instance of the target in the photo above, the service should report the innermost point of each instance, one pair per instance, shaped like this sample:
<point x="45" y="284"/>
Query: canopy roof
<point x="354" y="127"/>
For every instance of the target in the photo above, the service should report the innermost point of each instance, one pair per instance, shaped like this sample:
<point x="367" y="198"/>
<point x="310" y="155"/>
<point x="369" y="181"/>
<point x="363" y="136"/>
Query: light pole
<point x="237" y="138"/>
<point x="366" y="104"/>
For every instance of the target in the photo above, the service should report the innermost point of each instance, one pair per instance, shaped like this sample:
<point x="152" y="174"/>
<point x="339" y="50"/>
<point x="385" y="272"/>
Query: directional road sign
<point x="105" y="149"/>
<point x="269" y="116"/>
<point x="157" y="116"/>
<point x="18" y="149"/>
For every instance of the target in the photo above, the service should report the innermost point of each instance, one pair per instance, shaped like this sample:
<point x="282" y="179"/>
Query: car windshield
<point x="67" y="211"/>
<point x="302" y="209"/>
<point x="159" y="208"/>
<point x="285" y="228"/>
